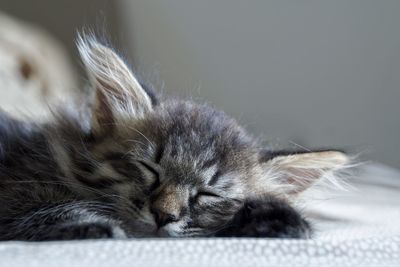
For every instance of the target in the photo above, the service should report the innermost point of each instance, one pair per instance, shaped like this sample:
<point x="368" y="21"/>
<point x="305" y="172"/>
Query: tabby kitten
<point x="136" y="165"/>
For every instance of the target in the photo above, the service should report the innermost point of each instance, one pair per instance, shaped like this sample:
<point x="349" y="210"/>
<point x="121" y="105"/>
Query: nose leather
<point x="167" y="206"/>
<point x="163" y="218"/>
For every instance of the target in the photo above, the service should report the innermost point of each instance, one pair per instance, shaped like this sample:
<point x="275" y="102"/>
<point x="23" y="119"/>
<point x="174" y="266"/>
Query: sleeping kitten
<point x="138" y="165"/>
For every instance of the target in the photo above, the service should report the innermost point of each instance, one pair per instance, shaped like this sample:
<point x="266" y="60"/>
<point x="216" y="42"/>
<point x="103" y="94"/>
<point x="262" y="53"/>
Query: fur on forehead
<point x="118" y="94"/>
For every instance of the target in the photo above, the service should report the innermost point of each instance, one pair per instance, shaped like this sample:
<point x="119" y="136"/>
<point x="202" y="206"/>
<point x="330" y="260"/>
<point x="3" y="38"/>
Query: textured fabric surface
<point x="374" y="251"/>
<point x="359" y="227"/>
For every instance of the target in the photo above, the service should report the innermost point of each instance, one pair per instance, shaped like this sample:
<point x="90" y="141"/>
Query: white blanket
<point x="360" y="227"/>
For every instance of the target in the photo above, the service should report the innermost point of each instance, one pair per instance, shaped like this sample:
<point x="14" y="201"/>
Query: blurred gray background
<point x="306" y="73"/>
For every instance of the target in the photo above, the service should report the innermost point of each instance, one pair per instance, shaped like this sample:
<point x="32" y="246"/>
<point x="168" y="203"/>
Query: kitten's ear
<point x="118" y="92"/>
<point x="292" y="173"/>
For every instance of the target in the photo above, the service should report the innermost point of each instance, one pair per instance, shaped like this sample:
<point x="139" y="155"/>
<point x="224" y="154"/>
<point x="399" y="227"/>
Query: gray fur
<point x="134" y="165"/>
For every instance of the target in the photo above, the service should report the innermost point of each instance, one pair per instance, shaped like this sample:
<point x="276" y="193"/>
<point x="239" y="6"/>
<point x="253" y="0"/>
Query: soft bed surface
<point x="359" y="227"/>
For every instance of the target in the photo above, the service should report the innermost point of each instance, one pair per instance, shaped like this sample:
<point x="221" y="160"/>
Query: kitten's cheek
<point x="148" y="217"/>
<point x="170" y="230"/>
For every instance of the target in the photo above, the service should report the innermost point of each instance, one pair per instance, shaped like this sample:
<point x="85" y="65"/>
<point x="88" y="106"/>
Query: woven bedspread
<point x="360" y="227"/>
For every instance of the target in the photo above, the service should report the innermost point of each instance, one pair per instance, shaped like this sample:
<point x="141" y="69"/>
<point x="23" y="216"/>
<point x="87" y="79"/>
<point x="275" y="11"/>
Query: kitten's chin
<point x="161" y="232"/>
<point x="139" y="229"/>
<point x="170" y="230"/>
<point x="154" y="231"/>
<point x="158" y="232"/>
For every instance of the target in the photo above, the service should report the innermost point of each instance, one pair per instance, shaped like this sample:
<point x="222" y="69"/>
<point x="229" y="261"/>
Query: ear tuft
<point x="118" y="92"/>
<point x="296" y="172"/>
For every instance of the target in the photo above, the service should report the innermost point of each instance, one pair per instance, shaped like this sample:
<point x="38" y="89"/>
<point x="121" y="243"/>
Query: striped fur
<point x="139" y="165"/>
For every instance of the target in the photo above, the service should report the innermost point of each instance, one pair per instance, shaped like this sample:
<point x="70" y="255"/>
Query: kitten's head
<point x="173" y="167"/>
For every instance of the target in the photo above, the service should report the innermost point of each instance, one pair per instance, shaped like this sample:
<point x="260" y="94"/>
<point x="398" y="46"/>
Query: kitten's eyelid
<point x="150" y="167"/>
<point x="207" y="194"/>
<point x="156" y="175"/>
<point x="204" y="197"/>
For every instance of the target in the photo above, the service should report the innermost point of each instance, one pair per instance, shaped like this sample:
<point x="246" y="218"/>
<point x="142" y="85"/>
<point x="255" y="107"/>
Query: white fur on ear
<point x="294" y="173"/>
<point x="118" y="93"/>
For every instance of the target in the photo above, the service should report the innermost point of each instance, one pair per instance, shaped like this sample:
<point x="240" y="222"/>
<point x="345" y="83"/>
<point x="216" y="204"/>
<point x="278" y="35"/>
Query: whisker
<point x="139" y="132"/>
<point x="102" y="194"/>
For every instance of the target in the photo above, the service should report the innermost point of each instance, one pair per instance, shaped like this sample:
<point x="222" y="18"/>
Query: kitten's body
<point x="137" y="165"/>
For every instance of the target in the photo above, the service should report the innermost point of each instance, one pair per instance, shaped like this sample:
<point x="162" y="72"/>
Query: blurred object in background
<point x="63" y="18"/>
<point x="34" y="69"/>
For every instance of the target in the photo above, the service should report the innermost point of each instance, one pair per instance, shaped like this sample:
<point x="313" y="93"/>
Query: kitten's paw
<point x="272" y="218"/>
<point x="95" y="230"/>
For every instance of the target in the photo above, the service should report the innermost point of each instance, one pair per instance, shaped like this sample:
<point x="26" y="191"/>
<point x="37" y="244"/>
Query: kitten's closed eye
<point x="206" y="195"/>
<point x="138" y="170"/>
<point x="122" y="165"/>
<point x="206" y="198"/>
<point x="151" y="172"/>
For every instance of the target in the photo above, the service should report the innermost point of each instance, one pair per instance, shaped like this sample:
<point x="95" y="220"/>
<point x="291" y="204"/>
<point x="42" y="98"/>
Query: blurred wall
<point x="63" y="18"/>
<point x="316" y="73"/>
